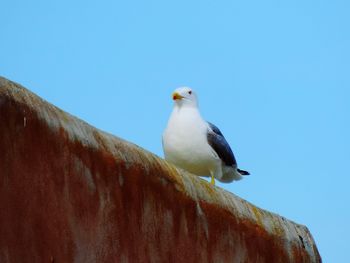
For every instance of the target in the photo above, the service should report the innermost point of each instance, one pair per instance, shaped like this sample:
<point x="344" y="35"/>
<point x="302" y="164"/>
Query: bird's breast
<point x="185" y="144"/>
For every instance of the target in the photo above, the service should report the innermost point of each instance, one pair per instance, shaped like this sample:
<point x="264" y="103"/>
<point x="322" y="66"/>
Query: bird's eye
<point x="190" y="92"/>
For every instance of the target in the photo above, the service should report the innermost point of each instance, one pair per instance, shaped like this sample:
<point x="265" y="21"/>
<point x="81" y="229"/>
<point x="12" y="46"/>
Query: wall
<point x="72" y="193"/>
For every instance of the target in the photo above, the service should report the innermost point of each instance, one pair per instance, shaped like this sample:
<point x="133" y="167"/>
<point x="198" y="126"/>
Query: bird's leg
<point x="212" y="180"/>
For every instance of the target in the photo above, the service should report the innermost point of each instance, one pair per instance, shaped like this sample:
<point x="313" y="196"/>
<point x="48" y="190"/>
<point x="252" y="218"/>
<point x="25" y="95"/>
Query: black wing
<point x="218" y="142"/>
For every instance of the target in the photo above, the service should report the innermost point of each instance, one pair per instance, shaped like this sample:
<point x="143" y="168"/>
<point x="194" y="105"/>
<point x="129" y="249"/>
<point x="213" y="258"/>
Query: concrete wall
<point x="72" y="193"/>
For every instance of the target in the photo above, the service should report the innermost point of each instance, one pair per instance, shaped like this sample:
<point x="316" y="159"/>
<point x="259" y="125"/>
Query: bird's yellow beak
<point x="177" y="96"/>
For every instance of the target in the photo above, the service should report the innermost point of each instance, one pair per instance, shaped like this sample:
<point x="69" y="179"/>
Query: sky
<point x="274" y="76"/>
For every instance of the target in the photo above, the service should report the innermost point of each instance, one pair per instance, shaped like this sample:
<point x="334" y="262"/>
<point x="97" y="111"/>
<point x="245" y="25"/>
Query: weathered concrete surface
<point x="72" y="193"/>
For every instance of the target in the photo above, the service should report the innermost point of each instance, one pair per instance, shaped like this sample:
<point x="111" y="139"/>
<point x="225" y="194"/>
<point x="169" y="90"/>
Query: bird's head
<point x="185" y="96"/>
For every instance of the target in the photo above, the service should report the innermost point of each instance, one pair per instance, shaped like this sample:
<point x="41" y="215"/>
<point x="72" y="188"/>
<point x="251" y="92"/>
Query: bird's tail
<point x="230" y="174"/>
<point x="242" y="172"/>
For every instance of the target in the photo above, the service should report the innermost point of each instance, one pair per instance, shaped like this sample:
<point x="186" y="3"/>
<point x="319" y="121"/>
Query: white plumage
<point x="195" y="145"/>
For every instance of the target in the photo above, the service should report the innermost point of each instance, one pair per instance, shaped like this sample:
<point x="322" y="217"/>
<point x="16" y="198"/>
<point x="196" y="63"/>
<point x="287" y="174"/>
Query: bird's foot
<point x="212" y="181"/>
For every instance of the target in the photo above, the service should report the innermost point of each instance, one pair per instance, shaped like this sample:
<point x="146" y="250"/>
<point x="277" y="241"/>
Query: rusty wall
<point x="72" y="193"/>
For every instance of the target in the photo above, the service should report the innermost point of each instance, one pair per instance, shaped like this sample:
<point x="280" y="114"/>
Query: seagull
<point x="196" y="145"/>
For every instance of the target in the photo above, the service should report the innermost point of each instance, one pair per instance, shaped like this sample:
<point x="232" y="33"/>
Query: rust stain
<point x="71" y="193"/>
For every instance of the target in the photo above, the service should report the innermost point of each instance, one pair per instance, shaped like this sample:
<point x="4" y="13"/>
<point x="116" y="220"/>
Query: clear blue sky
<point x="273" y="75"/>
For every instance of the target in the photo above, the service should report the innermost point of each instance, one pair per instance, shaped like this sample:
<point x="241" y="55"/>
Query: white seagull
<point x="196" y="145"/>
